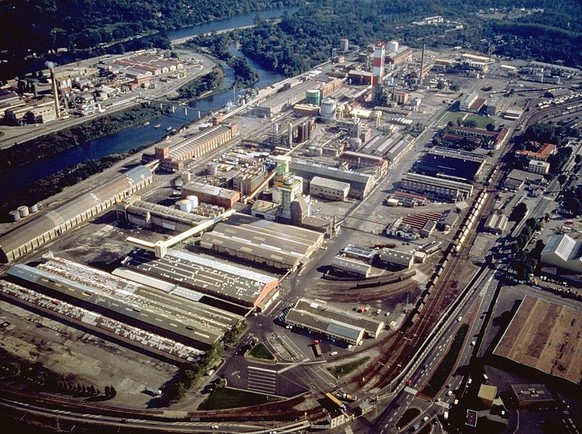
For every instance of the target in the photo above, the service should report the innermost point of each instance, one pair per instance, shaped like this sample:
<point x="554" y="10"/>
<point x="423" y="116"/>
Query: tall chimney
<point x="422" y="65"/>
<point x="55" y="92"/>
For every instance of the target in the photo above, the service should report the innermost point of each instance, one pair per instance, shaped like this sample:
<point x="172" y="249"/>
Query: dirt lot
<point x="91" y="359"/>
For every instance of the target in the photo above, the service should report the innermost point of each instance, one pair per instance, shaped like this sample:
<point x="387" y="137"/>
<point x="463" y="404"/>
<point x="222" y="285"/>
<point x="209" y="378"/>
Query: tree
<point x="490" y="127"/>
<point x="518" y="212"/>
<point x="454" y="87"/>
<point x="440" y="85"/>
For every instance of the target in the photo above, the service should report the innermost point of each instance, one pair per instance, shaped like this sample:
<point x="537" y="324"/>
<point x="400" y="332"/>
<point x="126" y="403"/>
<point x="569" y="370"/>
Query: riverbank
<point x="58" y="142"/>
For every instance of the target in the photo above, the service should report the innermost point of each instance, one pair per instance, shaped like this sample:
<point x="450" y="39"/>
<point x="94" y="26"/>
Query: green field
<point x="481" y="121"/>
<point x="340" y="370"/>
<point x="260" y="351"/>
<point x="223" y="397"/>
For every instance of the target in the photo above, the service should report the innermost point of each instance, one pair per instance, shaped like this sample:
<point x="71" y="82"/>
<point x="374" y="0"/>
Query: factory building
<point x="211" y="194"/>
<point x="450" y="164"/>
<point x="295" y="92"/>
<point x="32" y="113"/>
<point x="496" y="223"/>
<point x="358" y="160"/>
<point x="264" y="242"/>
<point x="360" y="183"/>
<point x="438" y="187"/>
<point x="532" y="395"/>
<point x="123" y="300"/>
<point x="204" y="274"/>
<point x="35" y="233"/>
<point x="147" y="214"/>
<point x="333" y="323"/>
<point x="329" y="189"/>
<point x="350" y="266"/>
<point x="173" y="157"/>
<point x="468" y="101"/>
<point x="395" y="257"/>
<point x="564" y="252"/>
<point x="541" y="155"/>
<point x="248" y="180"/>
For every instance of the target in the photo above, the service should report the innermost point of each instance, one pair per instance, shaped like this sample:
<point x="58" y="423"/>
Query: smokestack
<point x="422" y="65"/>
<point x="51" y="67"/>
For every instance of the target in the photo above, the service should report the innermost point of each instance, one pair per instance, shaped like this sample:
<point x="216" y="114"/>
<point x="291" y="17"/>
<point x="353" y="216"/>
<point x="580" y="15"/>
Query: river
<point x="14" y="180"/>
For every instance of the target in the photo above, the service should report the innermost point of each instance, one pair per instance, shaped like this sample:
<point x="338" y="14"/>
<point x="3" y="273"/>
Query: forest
<point x="33" y="28"/>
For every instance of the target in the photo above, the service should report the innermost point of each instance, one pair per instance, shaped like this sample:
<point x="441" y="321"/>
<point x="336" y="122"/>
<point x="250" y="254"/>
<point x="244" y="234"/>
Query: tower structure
<point x="378" y="69"/>
<point x="422" y="65"/>
<point x="55" y="89"/>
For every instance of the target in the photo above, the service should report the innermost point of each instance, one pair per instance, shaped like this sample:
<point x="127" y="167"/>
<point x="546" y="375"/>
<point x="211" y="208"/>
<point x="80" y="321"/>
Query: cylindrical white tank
<point x="184" y="205"/>
<point x="393" y="46"/>
<point x="328" y="109"/>
<point x="186" y="176"/>
<point x="23" y="210"/>
<point x="344" y="44"/>
<point x="355" y="142"/>
<point x="34" y="208"/>
<point x="193" y="200"/>
<point x="14" y="215"/>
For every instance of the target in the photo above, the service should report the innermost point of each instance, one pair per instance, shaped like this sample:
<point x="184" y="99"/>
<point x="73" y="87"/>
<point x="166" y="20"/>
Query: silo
<point x="393" y="46"/>
<point x="23" y="210"/>
<point x="344" y="44"/>
<point x="355" y="142"/>
<point x="328" y="109"/>
<point x="193" y="200"/>
<point x="186" y="176"/>
<point x="34" y="208"/>
<point x="313" y="97"/>
<point x="184" y="205"/>
<point x="14" y="215"/>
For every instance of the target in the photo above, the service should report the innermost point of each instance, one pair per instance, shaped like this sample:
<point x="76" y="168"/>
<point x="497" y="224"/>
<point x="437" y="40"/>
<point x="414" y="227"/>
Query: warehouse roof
<point x="308" y="169"/>
<point x="545" y="336"/>
<point x="329" y="313"/>
<point x="205" y="274"/>
<point x="313" y="321"/>
<point x="460" y="166"/>
<point x="174" y="320"/>
<point x="329" y="183"/>
<point x="72" y="209"/>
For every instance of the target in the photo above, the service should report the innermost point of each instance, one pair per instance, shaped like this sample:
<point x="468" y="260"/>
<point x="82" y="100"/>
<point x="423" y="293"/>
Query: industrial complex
<point x="341" y="239"/>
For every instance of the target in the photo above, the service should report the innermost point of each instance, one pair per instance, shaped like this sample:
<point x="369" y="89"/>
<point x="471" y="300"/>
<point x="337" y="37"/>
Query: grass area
<point x="346" y="368"/>
<point x="481" y="121"/>
<point x="442" y="372"/>
<point x="223" y="397"/>
<point x="260" y="351"/>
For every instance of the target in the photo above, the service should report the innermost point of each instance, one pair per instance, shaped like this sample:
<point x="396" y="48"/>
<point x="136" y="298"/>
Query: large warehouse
<point x="49" y="226"/>
<point x="545" y="336"/>
<point x="262" y="241"/>
<point x="448" y="164"/>
<point x="332" y="322"/>
<point x="438" y="187"/>
<point x="168" y="315"/>
<point x="207" y="275"/>
<point x="360" y="183"/>
<point x="564" y="252"/>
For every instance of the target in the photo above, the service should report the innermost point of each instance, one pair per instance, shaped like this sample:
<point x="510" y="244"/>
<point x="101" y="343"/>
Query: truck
<point x="317" y="348"/>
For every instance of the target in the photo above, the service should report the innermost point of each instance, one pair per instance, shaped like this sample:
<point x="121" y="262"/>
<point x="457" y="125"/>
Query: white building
<point x="564" y="252"/>
<point x="540" y="167"/>
<point x="392" y="256"/>
<point x="329" y="189"/>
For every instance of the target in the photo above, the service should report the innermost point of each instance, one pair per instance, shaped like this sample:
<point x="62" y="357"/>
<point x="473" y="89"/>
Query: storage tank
<point x="193" y="200"/>
<point x="34" y="208"/>
<point x="355" y="143"/>
<point x="313" y="97"/>
<point x="344" y="44"/>
<point x="22" y="210"/>
<point x="186" y="176"/>
<point x="393" y="46"/>
<point x="14" y="215"/>
<point x="328" y="109"/>
<point x="184" y="205"/>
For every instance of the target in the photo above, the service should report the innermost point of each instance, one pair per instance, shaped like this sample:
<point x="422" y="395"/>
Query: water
<point x="16" y="179"/>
